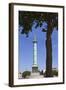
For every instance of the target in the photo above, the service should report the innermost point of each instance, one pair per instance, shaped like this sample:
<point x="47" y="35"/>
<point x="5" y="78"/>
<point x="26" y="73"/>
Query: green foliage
<point x="25" y="74"/>
<point x="26" y="20"/>
<point x="55" y="72"/>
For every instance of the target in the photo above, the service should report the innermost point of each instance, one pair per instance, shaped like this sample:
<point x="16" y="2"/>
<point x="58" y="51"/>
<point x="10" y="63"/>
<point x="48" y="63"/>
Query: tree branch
<point x="43" y="30"/>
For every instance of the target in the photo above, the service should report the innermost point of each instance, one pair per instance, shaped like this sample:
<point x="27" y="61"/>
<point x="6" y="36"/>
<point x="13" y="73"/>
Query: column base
<point x="35" y="69"/>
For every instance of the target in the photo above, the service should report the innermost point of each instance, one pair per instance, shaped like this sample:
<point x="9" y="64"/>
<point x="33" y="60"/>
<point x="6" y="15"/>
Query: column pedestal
<point x="34" y="69"/>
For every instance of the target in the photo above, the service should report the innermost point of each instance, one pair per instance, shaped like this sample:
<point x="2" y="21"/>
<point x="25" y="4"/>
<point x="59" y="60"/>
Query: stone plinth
<point x="36" y="75"/>
<point x="34" y="69"/>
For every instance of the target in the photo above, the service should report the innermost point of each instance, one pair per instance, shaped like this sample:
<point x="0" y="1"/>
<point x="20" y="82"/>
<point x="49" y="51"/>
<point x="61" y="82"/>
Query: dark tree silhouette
<point x="26" y="20"/>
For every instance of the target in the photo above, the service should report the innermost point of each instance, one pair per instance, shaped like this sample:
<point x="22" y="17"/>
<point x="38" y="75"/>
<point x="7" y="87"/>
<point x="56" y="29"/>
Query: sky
<point x="26" y="49"/>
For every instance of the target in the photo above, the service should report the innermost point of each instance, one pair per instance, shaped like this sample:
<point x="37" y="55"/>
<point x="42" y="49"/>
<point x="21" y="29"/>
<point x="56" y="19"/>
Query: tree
<point x="55" y="72"/>
<point x="25" y="74"/>
<point x="26" y="20"/>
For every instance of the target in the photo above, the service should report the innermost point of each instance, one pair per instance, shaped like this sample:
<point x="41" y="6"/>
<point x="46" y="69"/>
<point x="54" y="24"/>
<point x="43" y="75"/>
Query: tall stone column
<point x="35" y="65"/>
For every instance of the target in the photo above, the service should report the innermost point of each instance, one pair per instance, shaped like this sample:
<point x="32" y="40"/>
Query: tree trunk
<point x="49" y="52"/>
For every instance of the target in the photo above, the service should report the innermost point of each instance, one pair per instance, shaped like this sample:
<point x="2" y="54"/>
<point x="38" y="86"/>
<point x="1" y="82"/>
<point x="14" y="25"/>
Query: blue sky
<point x="26" y="49"/>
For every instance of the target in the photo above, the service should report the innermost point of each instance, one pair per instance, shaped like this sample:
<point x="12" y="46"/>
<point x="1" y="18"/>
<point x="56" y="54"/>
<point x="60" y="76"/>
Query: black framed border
<point x="14" y="8"/>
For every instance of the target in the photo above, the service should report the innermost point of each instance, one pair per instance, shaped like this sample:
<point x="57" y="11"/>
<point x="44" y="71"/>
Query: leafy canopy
<point x="26" y="20"/>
